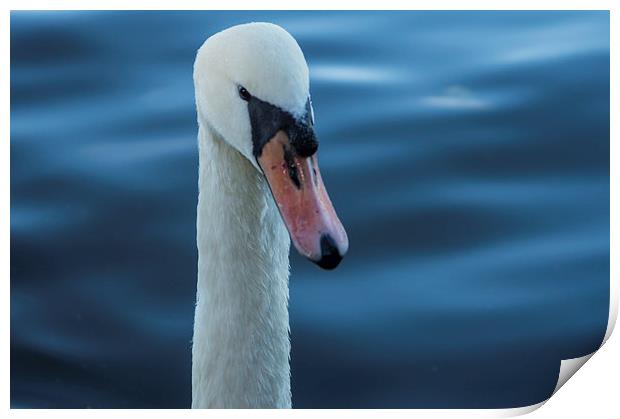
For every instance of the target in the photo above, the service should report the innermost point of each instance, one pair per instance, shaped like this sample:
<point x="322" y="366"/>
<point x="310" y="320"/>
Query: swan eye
<point x="244" y="94"/>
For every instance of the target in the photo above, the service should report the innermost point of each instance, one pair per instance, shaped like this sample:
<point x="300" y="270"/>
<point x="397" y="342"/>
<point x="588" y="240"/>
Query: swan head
<point x="252" y="89"/>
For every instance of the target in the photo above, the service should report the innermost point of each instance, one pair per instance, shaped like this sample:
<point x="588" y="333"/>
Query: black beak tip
<point x="330" y="255"/>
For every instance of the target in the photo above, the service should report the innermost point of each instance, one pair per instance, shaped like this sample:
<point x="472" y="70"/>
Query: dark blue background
<point x="466" y="153"/>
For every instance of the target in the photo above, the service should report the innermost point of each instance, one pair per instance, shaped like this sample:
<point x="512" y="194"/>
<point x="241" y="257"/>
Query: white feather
<point x="241" y="330"/>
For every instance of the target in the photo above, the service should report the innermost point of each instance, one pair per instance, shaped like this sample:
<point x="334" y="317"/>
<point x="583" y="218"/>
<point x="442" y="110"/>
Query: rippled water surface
<point x="466" y="153"/>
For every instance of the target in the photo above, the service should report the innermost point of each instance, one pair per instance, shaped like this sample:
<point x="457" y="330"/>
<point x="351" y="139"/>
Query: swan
<point x="259" y="189"/>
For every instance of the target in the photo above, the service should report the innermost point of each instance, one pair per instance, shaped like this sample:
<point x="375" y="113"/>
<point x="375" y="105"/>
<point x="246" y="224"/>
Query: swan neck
<point x="241" y="330"/>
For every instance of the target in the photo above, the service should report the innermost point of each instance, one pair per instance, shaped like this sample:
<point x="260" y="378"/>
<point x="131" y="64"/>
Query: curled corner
<point x="568" y="368"/>
<point x="519" y="411"/>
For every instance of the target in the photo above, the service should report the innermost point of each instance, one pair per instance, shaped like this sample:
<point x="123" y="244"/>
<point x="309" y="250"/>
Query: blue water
<point x="466" y="153"/>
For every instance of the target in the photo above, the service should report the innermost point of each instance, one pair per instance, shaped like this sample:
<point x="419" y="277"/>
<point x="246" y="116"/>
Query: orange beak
<point x="303" y="202"/>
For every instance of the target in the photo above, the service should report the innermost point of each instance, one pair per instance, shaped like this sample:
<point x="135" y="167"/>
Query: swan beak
<point x="308" y="213"/>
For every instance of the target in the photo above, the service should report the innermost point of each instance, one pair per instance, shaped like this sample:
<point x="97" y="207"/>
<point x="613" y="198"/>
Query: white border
<point x="312" y="5"/>
<point x="602" y="381"/>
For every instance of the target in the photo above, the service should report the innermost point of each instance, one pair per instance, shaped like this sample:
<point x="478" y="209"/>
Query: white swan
<point x="258" y="177"/>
